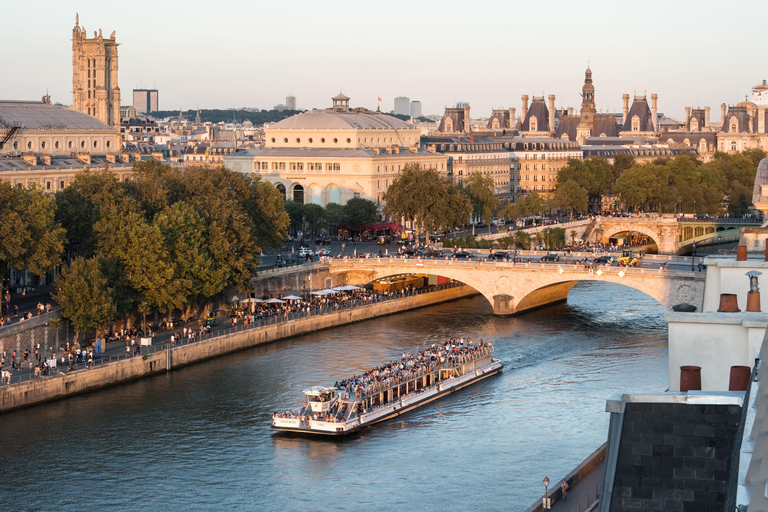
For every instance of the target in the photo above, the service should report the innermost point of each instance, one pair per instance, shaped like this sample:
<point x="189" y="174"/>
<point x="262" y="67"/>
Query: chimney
<point x="111" y="158"/>
<point x="389" y="150"/>
<point x="722" y="117"/>
<point x="46" y="158"/>
<point x="431" y="148"/>
<point x="570" y="111"/>
<point x="395" y="149"/>
<point x="525" y="107"/>
<point x="30" y="158"/>
<point x="414" y="149"/>
<point x="84" y="157"/>
<point x="761" y="119"/>
<point x="655" y="111"/>
<point x="512" y="118"/>
<point x="625" y="98"/>
<point x="551" y="113"/>
<point x="376" y="150"/>
<point x="687" y="117"/>
<point x="467" y="127"/>
<point x="706" y="117"/>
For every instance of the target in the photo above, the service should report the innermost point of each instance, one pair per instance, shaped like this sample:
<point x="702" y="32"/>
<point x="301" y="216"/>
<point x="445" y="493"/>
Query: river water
<point x="199" y="438"/>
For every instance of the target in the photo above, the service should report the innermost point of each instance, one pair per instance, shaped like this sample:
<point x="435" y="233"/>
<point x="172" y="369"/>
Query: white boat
<point x="391" y="390"/>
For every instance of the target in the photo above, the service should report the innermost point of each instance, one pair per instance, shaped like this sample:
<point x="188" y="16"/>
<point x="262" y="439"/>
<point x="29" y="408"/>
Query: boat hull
<point x="396" y="409"/>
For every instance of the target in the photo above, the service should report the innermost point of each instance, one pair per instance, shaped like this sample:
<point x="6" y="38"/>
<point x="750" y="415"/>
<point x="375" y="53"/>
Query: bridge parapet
<point x="512" y="288"/>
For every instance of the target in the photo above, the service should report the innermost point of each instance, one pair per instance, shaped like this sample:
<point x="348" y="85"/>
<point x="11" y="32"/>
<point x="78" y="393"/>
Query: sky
<point x="234" y="54"/>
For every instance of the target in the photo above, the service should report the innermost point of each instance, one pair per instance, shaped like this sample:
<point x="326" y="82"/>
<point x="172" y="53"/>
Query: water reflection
<point x="199" y="438"/>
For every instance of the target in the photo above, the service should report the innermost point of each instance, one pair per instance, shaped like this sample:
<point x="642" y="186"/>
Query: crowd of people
<point x="360" y="388"/>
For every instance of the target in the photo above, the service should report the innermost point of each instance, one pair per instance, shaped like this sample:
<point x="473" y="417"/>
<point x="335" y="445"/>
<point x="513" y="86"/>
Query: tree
<point x="480" y="189"/>
<point x="571" y="196"/>
<point x="534" y="204"/>
<point x="358" y="212"/>
<point x="84" y="295"/>
<point x="333" y="214"/>
<point x="30" y="238"/>
<point x="427" y="199"/>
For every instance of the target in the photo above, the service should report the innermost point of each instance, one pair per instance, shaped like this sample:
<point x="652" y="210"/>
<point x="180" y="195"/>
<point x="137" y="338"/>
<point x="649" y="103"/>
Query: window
<point x="733" y="146"/>
<point x="297" y="140"/>
<point x="328" y="167"/>
<point x="356" y="194"/>
<point x="734" y="128"/>
<point x="535" y="167"/>
<point x="310" y="140"/>
<point x="42" y="145"/>
<point x="56" y="144"/>
<point x="282" y="166"/>
<point x="61" y="185"/>
<point x="82" y="144"/>
<point x="293" y="166"/>
<point x="285" y="140"/>
<point x="335" y="140"/>
<point x="527" y="166"/>
<point x="348" y="141"/>
<point x="321" y="140"/>
<point x="256" y="166"/>
<point x="273" y="139"/>
<point x="543" y="167"/>
<point x="95" y="144"/>
<point x="274" y="166"/>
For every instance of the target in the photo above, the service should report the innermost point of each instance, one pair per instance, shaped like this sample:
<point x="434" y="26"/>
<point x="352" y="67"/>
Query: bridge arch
<point x="635" y="238"/>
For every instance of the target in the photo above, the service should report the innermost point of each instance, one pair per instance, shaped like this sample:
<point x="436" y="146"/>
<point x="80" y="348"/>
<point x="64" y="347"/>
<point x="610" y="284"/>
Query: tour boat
<point x="390" y="390"/>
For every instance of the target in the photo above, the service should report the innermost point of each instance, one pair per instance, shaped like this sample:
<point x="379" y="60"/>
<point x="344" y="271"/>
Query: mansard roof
<point x="643" y="112"/>
<point x="698" y="114"/>
<point x="605" y="124"/>
<point x="456" y="115"/>
<point x="502" y="116"/>
<point x="567" y="126"/>
<point x="540" y="112"/>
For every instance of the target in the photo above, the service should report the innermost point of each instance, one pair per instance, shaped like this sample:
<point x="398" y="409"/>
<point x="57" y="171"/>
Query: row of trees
<point x="667" y="185"/>
<point x="356" y="213"/>
<point x="169" y="239"/>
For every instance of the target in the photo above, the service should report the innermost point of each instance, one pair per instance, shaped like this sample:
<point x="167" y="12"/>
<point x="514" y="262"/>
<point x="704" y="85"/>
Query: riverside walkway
<point x="116" y="351"/>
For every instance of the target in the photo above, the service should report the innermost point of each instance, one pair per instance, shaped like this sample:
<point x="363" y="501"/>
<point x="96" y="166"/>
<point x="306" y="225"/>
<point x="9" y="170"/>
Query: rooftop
<point x="35" y="115"/>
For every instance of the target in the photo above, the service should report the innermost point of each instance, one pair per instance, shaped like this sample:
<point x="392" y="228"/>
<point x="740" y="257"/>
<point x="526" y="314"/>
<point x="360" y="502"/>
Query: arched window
<point x="298" y="194"/>
<point x="734" y="127"/>
<point x="733" y="146"/>
<point x="281" y="188"/>
<point x="334" y="194"/>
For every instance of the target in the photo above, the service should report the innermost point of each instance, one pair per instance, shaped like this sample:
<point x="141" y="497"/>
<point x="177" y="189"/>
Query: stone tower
<point x="94" y="75"/>
<point x="588" y="109"/>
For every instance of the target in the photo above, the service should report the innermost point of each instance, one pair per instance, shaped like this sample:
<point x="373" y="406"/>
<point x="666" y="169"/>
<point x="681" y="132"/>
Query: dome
<point x="341" y="120"/>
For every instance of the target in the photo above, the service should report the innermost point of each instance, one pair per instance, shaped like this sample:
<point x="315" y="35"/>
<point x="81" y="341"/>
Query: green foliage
<point x="358" y="212"/>
<point x="171" y="236"/>
<point x="680" y="184"/>
<point x="423" y="196"/>
<point x="480" y="189"/>
<point x="30" y="237"/>
<point x="84" y="295"/>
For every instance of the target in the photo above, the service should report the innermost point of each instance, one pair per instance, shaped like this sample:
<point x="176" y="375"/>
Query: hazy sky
<point x="253" y="53"/>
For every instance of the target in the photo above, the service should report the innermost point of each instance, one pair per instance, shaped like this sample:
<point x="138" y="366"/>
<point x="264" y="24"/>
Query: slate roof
<point x="33" y="115"/>
<point x="674" y="456"/>
<point x="540" y="112"/>
<point x="502" y="116"/>
<point x="641" y="109"/>
<point x="329" y="119"/>
<point x="698" y="114"/>
<point x="456" y="115"/>
<point x="693" y="137"/>
<point x="19" y="164"/>
<point x="322" y="153"/>
<point x="568" y="125"/>
<point x="741" y="116"/>
<point x="605" y="124"/>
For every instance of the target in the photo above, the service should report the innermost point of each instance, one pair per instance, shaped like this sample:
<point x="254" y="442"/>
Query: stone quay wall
<point x="20" y="335"/>
<point x="44" y="389"/>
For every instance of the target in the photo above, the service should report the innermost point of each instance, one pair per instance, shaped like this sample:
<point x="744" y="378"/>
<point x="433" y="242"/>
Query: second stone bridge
<point x="510" y="288"/>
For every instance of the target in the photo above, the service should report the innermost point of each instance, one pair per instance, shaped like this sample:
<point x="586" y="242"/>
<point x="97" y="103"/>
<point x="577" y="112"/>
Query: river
<point x="199" y="438"/>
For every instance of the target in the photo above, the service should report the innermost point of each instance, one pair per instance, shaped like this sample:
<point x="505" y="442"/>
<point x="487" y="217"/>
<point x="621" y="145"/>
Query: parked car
<point x="603" y="260"/>
<point x="412" y="253"/>
<point x="323" y="252"/>
<point x="549" y="257"/>
<point x="464" y="255"/>
<point x="436" y="253"/>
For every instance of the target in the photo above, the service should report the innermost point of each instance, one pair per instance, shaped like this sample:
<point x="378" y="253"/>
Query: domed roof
<point x="330" y="119"/>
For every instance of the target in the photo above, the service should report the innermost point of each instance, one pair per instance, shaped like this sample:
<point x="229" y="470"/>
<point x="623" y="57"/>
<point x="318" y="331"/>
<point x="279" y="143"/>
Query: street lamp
<point x="545" y="505"/>
<point x="693" y="255"/>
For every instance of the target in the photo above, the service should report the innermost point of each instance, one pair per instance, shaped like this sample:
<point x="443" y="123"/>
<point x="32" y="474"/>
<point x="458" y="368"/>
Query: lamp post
<point x="545" y="505"/>
<point x="719" y="239"/>
<point x="693" y="256"/>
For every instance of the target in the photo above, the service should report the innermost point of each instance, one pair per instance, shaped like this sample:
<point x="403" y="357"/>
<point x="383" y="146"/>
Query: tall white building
<point x="290" y="102"/>
<point x="415" y="109"/>
<point x="403" y="106"/>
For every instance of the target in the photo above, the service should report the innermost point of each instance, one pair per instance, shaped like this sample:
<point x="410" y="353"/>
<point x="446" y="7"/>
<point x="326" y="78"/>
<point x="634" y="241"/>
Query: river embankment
<point x="170" y="357"/>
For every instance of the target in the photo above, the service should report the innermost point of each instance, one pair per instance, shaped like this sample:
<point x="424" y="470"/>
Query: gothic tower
<point x="94" y="75"/>
<point x="588" y="109"/>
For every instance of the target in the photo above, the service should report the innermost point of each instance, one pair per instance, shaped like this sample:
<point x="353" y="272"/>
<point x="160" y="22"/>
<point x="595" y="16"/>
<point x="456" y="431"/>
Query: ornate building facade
<point x="94" y="75"/>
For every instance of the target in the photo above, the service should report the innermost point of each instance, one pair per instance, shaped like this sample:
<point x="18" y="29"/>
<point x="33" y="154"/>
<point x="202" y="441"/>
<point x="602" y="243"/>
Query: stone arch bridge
<point x="514" y="288"/>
